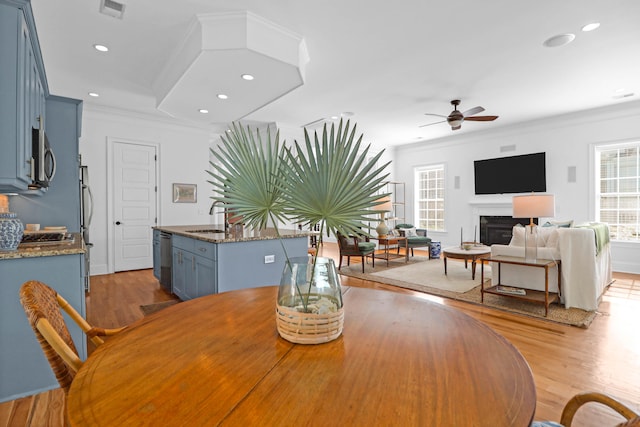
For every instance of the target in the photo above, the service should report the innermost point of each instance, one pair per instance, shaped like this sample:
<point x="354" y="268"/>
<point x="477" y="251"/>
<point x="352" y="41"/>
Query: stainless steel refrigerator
<point x="86" y="209"/>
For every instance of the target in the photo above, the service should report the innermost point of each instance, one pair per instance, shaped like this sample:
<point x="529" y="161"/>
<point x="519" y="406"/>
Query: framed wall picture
<point x="185" y="193"/>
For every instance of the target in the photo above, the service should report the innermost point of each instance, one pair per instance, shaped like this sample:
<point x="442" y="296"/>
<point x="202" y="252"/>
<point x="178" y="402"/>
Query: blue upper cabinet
<point x="23" y="90"/>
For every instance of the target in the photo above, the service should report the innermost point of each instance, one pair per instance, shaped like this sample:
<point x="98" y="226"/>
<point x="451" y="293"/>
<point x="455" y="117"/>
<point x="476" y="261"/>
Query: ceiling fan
<point x="455" y="118"/>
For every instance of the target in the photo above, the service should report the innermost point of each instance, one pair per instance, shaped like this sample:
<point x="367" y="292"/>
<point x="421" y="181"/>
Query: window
<point x="618" y="189"/>
<point x="429" y="197"/>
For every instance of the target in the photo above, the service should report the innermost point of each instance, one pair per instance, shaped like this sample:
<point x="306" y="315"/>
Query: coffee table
<point x="473" y="254"/>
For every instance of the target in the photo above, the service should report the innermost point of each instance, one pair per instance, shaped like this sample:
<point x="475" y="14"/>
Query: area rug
<point x="424" y="275"/>
<point x="431" y="274"/>
<point x="152" y="308"/>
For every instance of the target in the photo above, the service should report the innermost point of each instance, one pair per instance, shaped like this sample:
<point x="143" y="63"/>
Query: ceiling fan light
<point x="455" y="123"/>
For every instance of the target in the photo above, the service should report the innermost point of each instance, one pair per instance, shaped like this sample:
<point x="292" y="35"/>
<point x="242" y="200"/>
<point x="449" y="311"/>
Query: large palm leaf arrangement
<point x="328" y="181"/>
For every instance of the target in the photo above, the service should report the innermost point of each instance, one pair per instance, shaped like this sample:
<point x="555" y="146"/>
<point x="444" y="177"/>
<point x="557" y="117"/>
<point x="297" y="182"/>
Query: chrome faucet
<point x="226" y="214"/>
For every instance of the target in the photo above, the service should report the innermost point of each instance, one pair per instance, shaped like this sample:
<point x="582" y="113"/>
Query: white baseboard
<point x="625" y="267"/>
<point x="97" y="270"/>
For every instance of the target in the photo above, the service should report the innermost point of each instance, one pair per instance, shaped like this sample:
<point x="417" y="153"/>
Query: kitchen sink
<point x="206" y="231"/>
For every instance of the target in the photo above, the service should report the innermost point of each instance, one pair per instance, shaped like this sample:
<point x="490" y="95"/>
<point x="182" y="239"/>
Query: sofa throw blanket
<point x="601" y="232"/>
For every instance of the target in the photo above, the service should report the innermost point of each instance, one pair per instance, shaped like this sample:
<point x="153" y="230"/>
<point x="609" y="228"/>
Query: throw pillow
<point x="562" y="224"/>
<point x="548" y="237"/>
<point x="410" y="232"/>
<point x="517" y="237"/>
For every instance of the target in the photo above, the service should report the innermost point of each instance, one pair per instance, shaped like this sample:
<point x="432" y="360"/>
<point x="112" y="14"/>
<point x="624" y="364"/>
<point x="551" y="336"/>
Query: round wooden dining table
<point x="218" y="360"/>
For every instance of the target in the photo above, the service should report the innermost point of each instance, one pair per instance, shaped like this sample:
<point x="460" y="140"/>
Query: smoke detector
<point x="112" y="8"/>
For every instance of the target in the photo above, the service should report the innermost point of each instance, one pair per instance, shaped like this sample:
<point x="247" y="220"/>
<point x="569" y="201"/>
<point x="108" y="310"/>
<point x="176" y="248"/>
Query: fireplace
<point x="498" y="229"/>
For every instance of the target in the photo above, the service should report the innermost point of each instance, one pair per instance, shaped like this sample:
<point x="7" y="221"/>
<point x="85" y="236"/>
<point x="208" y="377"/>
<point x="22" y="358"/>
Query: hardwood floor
<point x="564" y="360"/>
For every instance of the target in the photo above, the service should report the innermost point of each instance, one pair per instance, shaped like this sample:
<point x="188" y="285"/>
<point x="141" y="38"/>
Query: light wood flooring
<point x="564" y="360"/>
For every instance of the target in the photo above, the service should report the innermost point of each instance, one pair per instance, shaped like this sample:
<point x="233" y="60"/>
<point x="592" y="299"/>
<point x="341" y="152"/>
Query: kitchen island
<point x="204" y="259"/>
<point x="23" y="367"/>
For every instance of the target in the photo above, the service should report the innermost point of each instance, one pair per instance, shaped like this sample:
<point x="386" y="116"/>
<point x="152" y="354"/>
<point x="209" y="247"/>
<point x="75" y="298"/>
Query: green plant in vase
<point x="328" y="181"/>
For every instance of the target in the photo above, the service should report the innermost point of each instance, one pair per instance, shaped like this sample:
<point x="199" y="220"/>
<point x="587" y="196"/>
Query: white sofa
<point x="586" y="268"/>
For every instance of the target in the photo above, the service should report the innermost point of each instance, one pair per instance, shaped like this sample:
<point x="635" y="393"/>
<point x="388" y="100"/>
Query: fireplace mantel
<point x="493" y="202"/>
<point x="494" y="206"/>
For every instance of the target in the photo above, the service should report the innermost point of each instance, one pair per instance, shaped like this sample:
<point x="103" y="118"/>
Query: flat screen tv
<point x="515" y="174"/>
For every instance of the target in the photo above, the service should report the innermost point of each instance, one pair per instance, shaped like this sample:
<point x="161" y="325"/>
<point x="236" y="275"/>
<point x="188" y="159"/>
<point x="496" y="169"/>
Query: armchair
<point x="356" y="246"/>
<point x="417" y="240"/>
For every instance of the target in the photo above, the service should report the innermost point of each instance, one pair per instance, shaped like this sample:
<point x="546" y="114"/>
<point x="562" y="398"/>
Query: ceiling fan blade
<point x="472" y="111"/>
<point x="430" y="124"/>
<point x="481" y="118"/>
<point x="437" y="115"/>
<point x="456" y="128"/>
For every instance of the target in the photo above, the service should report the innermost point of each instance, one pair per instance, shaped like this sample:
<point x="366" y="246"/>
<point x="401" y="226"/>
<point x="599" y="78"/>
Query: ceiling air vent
<point x="112" y="8"/>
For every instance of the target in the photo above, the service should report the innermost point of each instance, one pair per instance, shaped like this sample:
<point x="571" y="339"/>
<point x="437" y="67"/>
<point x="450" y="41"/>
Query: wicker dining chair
<point x="577" y="401"/>
<point x="42" y="306"/>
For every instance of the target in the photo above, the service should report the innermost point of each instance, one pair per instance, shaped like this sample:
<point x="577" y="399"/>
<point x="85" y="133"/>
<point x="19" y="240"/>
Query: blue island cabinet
<point x="221" y="263"/>
<point x="24" y="370"/>
<point x="194" y="268"/>
<point x="242" y="264"/>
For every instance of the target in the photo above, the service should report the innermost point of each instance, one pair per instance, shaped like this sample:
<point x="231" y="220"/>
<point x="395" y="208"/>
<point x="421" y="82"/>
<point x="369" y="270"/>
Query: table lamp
<point x="383" y="207"/>
<point x="533" y="205"/>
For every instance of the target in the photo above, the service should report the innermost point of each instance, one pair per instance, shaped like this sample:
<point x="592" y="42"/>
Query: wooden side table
<point x="386" y="242"/>
<point x="529" y="294"/>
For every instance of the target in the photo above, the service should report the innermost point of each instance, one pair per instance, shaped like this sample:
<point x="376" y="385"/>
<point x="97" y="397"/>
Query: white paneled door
<point x="134" y="201"/>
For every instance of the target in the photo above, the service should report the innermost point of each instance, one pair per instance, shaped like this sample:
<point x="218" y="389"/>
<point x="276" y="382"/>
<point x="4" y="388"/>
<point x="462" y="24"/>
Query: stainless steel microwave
<point x="43" y="168"/>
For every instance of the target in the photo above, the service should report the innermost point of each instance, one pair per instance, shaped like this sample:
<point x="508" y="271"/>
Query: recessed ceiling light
<point x="334" y="117"/>
<point x="222" y="96"/>
<point x="347" y="114"/>
<point x="247" y="76"/>
<point x="203" y="111"/>
<point x="100" y="48"/>
<point x="94" y="94"/>
<point x="559" y="40"/>
<point x="590" y="27"/>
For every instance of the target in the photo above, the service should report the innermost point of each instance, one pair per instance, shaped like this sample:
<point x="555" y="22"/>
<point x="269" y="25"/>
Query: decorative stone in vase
<point x="309" y="307"/>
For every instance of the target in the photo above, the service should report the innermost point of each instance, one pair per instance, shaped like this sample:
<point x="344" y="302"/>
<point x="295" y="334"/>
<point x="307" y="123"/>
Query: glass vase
<point x="309" y="306"/>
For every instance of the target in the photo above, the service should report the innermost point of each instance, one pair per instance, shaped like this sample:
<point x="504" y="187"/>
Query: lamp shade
<point x="385" y="204"/>
<point x="534" y="205"/>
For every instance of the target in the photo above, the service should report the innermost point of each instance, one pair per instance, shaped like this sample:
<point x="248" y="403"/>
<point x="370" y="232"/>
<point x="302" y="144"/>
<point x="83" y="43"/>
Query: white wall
<point x="183" y="158"/>
<point x="568" y="141"/>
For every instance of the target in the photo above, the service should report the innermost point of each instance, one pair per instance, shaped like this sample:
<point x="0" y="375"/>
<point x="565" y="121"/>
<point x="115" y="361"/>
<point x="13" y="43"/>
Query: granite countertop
<point x="33" y="250"/>
<point x="208" y="233"/>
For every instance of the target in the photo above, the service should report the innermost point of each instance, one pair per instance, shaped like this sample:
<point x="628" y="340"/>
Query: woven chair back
<point x="40" y="302"/>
